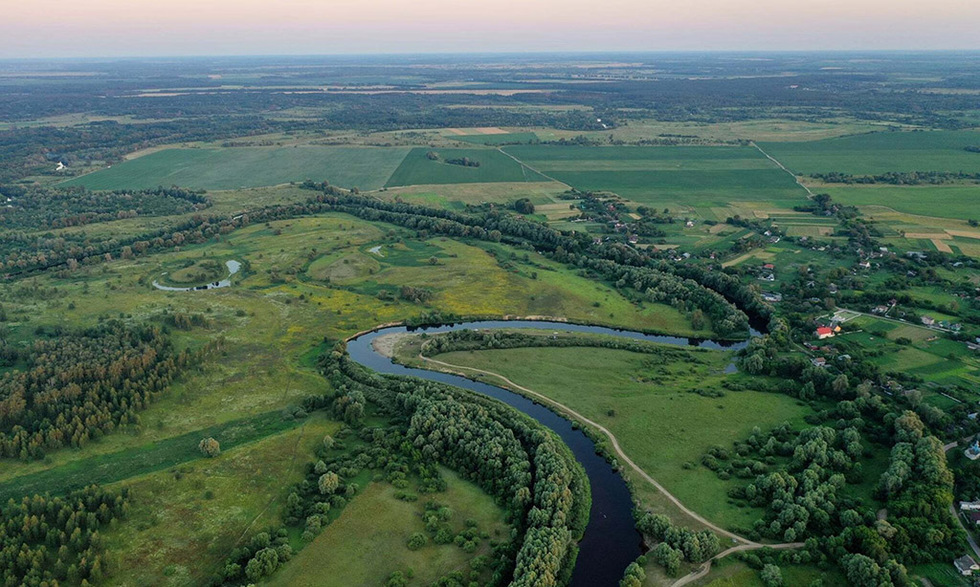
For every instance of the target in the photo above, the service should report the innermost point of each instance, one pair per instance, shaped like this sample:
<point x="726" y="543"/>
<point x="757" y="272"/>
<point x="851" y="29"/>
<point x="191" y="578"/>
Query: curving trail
<point x="746" y="544"/>
<point x="619" y="451"/>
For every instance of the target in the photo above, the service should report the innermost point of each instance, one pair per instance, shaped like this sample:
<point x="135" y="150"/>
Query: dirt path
<point x="706" y="567"/>
<point x="619" y="452"/>
<point x="525" y="165"/>
<point x="796" y="178"/>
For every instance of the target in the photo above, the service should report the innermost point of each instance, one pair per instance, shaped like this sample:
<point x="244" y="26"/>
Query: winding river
<point x="611" y="541"/>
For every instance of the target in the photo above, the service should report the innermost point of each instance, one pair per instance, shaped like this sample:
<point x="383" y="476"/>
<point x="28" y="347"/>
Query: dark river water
<point x="611" y="541"/>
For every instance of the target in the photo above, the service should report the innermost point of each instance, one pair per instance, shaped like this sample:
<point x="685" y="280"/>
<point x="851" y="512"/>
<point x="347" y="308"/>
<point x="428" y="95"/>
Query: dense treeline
<point x="524" y="466"/>
<point x="899" y="177"/>
<point x="48" y="541"/>
<point x="83" y="384"/>
<point x="469" y="340"/>
<point x="47" y="208"/>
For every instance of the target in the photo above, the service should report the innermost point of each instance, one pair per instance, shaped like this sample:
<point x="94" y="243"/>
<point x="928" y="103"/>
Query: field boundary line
<point x="525" y="165"/>
<point x="796" y="178"/>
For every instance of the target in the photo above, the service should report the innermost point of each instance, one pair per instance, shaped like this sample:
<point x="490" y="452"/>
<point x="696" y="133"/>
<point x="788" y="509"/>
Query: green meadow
<point x="944" y="201"/>
<point x="652" y="410"/>
<point x="366" y="168"/>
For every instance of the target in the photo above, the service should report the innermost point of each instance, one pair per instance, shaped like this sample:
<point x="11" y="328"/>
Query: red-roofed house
<point x="824" y="332"/>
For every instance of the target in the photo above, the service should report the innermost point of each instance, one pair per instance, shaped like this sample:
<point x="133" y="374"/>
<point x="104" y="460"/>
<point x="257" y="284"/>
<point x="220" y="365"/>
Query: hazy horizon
<point x="184" y="28"/>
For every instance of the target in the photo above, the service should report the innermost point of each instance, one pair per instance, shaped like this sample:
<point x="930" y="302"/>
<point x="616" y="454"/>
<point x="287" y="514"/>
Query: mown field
<point x="651" y="409"/>
<point x="666" y="176"/>
<point x="496" y="139"/>
<point x="417" y="169"/>
<point x="882" y="152"/>
<point x="232" y="168"/>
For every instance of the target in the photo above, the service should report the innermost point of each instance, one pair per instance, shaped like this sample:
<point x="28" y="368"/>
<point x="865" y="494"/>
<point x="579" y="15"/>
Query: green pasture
<point x="961" y="202"/>
<point x="496" y="139"/>
<point x="241" y="167"/>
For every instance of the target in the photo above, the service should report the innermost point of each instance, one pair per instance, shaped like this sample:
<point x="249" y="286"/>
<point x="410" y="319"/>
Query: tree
<point x="667" y="557"/>
<point x="633" y="576"/>
<point x="524" y="206"/>
<point x="697" y="319"/>
<point x="417" y="541"/>
<point x="771" y="576"/>
<point x="209" y="447"/>
<point x="328" y="442"/>
<point x="328" y="483"/>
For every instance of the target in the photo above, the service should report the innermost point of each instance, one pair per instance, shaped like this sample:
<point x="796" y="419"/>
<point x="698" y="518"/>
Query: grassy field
<point x="666" y="176"/>
<point x="732" y="573"/>
<point x="876" y="153"/>
<point x="496" y="139"/>
<point x="379" y="523"/>
<point x="945" y="201"/>
<point x="232" y="168"/>
<point x="651" y="410"/>
<point x="183" y="523"/>
<point x="417" y="169"/>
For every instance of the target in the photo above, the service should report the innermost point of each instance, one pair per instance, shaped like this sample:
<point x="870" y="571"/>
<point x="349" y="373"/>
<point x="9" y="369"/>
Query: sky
<point x="114" y="28"/>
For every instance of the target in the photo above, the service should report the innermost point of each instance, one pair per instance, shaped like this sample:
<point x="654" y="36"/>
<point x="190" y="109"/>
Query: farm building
<point x="970" y="506"/>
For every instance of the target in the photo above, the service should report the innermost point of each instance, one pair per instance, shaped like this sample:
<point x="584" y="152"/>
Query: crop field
<point x="651" y="410"/>
<point x="666" y="176"/>
<point x="876" y="153"/>
<point x="458" y="196"/>
<point x="231" y="168"/>
<point x="950" y="201"/>
<point x="418" y="169"/>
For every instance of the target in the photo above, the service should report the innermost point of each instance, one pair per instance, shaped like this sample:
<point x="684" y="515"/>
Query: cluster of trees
<point x="50" y="540"/>
<point x="83" y="384"/>
<point x="261" y="557"/>
<point x="524" y="206"/>
<point x="676" y="544"/>
<point x="48" y="208"/>
<point x="510" y="456"/>
<point x="463" y="162"/>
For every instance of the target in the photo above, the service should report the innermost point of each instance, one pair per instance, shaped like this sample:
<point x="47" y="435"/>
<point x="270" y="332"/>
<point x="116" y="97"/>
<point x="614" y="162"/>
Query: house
<point x="769" y="267"/>
<point x="772" y="296"/>
<point x="880" y="310"/>
<point x="966" y="565"/>
<point x="865" y="264"/>
<point x="819" y="362"/>
<point x="689" y="223"/>
<point x="928" y="320"/>
<point x="974" y="518"/>
<point x="824" y="332"/>
<point x="970" y="506"/>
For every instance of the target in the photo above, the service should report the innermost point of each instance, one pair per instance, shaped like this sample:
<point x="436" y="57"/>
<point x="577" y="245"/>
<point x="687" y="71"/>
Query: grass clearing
<point x="241" y="167"/>
<point x="377" y="522"/>
<point x="184" y="522"/>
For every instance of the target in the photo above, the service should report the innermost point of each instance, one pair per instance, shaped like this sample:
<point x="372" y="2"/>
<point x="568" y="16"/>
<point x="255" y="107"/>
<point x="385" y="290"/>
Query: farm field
<point x="232" y="168"/>
<point x="417" y="169"/>
<point x="650" y="408"/>
<point x="667" y="176"/>
<point x="378" y="522"/>
<point x="458" y="196"/>
<point x="876" y="153"/>
<point x="960" y="202"/>
<point x="496" y="138"/>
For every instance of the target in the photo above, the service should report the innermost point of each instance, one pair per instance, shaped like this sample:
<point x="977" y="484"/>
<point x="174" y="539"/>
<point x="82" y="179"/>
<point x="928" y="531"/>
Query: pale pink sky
<point x="44" y="28"/>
